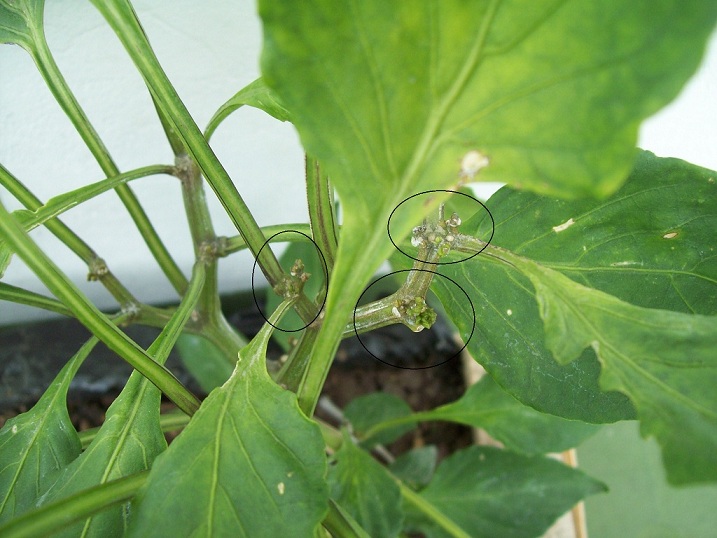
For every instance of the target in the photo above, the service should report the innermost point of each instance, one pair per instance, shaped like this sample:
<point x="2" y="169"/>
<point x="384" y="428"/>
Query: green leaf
<point x="416" y="467"/>
<point x="663" y="219"/>
<point x="258" y="95"/>
<point x="485" y="405"/>
<point x="622" y="245"/>
<point x="131" y="436"/>
<point x="19" y="20"/>
<point x="248" y="464"/>
<point x="650" y="244"/>
<point x="361" y="486"/>
<point x="664" y="361"/>
<point x="552" y="93"/>
<point x="519" y="427"/>
<point x="50" y="518"/>
<point x="127" y="443"/>
<point x="367" y="411"/>
<point x="36" y="444"/>
<point x="518" y="81"/>
<point x="491" y="492"/>
<point x="510" y="343"/>
<point x="204" y="361"/>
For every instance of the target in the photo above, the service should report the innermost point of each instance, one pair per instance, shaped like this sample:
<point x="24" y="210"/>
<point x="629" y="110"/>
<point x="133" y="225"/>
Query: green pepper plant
<point x="586" y="287"/>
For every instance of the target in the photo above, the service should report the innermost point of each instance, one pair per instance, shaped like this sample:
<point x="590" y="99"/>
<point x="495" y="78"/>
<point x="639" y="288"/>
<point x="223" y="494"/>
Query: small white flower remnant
<point x="417" y="237"/>
<point x="472" y="163"/>
<point x="454" y="221"/>
<point x="564" y="226"/>
<point x="396" y="312"/>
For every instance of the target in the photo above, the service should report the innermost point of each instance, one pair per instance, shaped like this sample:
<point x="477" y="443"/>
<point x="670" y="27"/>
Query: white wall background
<point x="209" y="50"/>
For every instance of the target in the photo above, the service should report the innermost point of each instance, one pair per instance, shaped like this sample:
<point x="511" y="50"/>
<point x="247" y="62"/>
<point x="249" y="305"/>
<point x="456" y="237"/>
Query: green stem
<point x="321" y="211"/>
<point x="421" y="416"/>
<point x="293" y="370"/>
<point x="52" y="517"/>
<point x="88" y="314"/>
<point x="121" y="294"/>
<point x="58" y="86"/>
<point x="334" y="327"/>
<point x="382" y="312"/>
<point x="470" y="245"/>
<point x="340" y="523"/>
<point x="230" y="245"/>
<point x="206" y="247"/>
<point x="29" y="298"/>
<point x="202" y="231"/>
<point x="160" y="348"/>
<point x="57" y="205"/>
<point x="121" y="17"/>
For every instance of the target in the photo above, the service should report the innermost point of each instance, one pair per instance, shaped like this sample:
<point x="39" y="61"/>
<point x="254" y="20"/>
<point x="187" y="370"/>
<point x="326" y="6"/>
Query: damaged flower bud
<point x="292" y="285"/>
<point x="415" y="313"/>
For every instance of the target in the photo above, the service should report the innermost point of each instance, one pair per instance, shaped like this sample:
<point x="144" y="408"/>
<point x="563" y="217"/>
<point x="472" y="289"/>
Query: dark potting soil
<point x="31" y="355"/>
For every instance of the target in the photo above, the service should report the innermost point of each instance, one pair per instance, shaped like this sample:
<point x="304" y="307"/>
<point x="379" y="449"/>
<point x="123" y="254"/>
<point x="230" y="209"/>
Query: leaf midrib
<point x="428" y="142"/>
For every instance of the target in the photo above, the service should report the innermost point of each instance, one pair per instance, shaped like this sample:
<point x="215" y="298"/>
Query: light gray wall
<point x="209" y="50"/>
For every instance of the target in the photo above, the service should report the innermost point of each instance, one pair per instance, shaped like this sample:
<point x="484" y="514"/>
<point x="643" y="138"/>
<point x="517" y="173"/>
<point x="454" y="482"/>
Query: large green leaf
<point x="131" y="436"/>
<point x="361" y="486"/>
<point x="666" y="362"/>
<point x="491" y="492"/>
<point x="648" y="244"/>
<point x="248" y="464"/>
<point x="396" y="97"/>
<point x="651" y="241"/>
<point x="36" y="444"/>
<point x="509" y="341"/>
<point x="551" y="92"/>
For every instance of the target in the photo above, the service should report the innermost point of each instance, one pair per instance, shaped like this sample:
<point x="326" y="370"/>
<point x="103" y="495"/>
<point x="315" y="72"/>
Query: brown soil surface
<point x="355" y="373"/>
